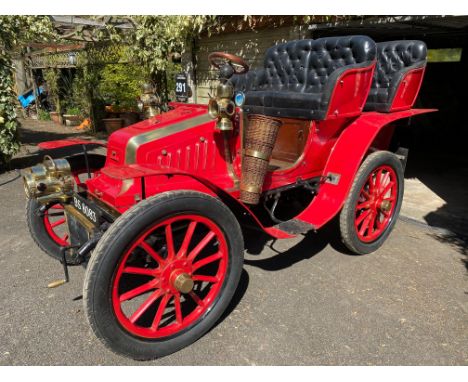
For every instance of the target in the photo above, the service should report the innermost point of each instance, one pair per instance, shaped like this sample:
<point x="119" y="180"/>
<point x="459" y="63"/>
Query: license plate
<point x="87" y="209"/>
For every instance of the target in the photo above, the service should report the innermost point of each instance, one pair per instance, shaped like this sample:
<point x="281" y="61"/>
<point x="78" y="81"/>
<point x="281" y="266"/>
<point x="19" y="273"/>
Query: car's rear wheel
<point x="373" y="204"/>
<point x="163" y="274"/>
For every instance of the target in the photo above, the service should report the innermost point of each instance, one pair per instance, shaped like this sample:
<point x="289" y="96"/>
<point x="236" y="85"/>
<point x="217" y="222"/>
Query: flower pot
<point x="129" y="118"/>
<point x="72" y="120"/>
<point x="112" y="124"/>
<point x="55" y="117"/>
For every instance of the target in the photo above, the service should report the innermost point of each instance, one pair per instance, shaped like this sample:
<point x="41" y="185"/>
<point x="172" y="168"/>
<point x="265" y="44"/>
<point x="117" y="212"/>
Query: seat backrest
<point x="331" y="53"/>
<point x="285" y="66"/>
<point x="398" y="75"/>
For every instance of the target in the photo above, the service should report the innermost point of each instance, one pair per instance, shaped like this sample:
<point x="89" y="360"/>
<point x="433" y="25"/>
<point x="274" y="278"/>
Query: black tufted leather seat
<point x="395" y="59"/>
<point x="298" y="77"/>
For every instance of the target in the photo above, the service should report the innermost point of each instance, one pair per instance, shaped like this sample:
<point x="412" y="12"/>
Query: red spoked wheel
<point x="163" y="274"/>
<point x="376" y="203"/>
<point x="373" y="204"/>
<point x="170" y="276"/>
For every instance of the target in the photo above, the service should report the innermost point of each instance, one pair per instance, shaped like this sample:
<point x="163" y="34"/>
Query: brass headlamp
<point x="50" y="180"/>
<point x="222" y="107"/>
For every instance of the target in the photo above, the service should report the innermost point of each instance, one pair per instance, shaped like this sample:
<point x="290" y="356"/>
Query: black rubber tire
<point x="106" y="256"/>
<point x="347" y="215"/>
<point x="35" y="222"/>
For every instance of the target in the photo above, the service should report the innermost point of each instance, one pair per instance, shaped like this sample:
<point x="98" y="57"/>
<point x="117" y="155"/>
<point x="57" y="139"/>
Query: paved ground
<point x="300" y="302"/>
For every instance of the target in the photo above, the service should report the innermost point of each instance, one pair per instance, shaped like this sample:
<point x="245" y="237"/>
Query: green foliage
<point x="14" y="30"/>
<point x="43" y="115"/>
<point x="52" y="77"/>
<point x="73" y="110"/>
<point x="120" y="85"/>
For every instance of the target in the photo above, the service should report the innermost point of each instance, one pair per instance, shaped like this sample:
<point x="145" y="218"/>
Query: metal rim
<point x="170" y="277"/>
<point x="376" y="203"/>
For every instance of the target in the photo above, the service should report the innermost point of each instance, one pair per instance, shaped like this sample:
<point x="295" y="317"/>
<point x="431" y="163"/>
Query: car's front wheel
<point x="163" y="274"/>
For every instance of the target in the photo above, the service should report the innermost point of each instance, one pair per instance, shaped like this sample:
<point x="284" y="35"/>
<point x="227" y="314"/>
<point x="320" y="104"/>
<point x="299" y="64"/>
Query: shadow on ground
<point x="311" y="244"/>
<point x="448" y="179"/>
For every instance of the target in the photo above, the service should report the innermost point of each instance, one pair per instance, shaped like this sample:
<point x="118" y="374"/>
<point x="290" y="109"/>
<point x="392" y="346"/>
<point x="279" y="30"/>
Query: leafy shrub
<point x="120" y="85"/>
<point x="43" y="115"/>
<point x="73" y="110"/>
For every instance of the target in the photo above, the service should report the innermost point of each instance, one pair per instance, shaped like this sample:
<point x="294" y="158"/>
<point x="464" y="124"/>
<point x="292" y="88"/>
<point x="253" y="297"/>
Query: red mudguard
<point x="343" y="163"/>
<point x="68" y="142"/>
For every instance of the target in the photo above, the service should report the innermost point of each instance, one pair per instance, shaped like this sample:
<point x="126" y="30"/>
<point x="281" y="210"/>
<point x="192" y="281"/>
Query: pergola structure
<point x="80" y="36"/>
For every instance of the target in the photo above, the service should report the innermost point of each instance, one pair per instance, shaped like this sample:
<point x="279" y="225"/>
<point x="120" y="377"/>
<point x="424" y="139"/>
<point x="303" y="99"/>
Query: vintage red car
<point x="282" y="149"/>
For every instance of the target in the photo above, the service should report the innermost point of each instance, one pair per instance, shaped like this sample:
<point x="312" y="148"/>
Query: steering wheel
<point x="218" y="59"/>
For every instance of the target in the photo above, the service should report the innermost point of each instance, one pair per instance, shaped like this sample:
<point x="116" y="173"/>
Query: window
<point x="444" y="55"/>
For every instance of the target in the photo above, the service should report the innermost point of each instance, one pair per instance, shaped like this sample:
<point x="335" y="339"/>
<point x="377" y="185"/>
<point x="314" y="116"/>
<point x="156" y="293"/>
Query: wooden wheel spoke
<point x="210" y="279"/>
<point x="387" y="188"/>
<point x="144" y="307"/>
<point x="151" y="252"/>
<point x="57" y="223"/>
<point x="160" y="312"/>
<point x="137" y="291"/>
<point x="188" y="237"/>
<point x="372" y="224"/>
<point x="140" y="271"/>
<point x="361" y="217"/>
<point x="206" y="260"/>
<point x="371" y="184"/>
<point x="365" y="224"/>
<point x="178" y="308"/>
<point x="170" y="242"/>
<point x="196" y="299"/>
<point x="202" y="244"/>
<point x="362" y="206"/>
<point x="378" y="179"/>
<point x="365" y="194"/>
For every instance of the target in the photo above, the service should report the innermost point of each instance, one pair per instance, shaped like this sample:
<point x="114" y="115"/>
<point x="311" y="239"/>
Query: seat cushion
<point x="284" y="104"/>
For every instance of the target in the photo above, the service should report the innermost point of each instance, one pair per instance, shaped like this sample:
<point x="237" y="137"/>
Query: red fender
<point x="68" y="142"/>
<point x="343" y="162"/>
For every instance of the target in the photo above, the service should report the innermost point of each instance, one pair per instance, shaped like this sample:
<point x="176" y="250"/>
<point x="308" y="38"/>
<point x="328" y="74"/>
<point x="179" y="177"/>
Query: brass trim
<point x="242" y="123"/>
<point x="78" y="216"/>
<point x="256" y="154"/>
<point x="385" y="205"/>
<point x="228" y="159"/>
<point x="106" y="207"/>
<point x="250" y="188"/>
<point x="135" y="142"/>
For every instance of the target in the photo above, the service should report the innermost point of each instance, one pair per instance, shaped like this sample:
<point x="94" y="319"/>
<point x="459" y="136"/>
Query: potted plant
<point x="72" y="116"/>
<point x="120" y="86"/>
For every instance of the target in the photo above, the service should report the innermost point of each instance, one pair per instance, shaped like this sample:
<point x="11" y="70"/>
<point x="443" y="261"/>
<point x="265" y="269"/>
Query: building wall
<point x="249" y="45"/>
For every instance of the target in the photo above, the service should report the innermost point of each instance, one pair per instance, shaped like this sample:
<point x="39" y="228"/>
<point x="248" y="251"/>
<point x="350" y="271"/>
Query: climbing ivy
<point x="15" y="30"/>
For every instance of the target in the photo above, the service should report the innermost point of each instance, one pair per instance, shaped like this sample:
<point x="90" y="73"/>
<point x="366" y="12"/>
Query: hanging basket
<point x="259" y="140"/>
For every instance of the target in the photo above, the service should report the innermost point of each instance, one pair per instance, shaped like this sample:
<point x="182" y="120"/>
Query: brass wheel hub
<point x="385" y="205"/>
<point x="182" y="282"/>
